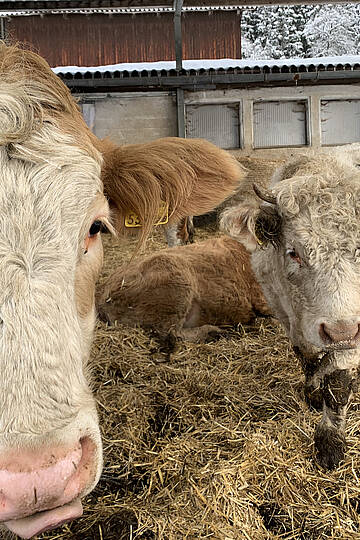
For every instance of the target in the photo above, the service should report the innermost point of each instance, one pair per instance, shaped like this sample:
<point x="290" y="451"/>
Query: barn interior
<point x="215" y="440"/>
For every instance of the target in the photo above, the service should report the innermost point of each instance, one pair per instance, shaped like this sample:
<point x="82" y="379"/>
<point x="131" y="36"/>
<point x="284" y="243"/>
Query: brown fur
<point x="186" y="231"/>
<point x="192" y="175"/>
<point x="207" y="283"/>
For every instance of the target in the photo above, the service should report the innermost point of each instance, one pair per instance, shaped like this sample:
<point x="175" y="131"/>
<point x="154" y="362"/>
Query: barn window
<point x="340" y="121"/>
<point x="88" y="112"/>
<point x="280" y="123"/>
<point x="218" y="123"/>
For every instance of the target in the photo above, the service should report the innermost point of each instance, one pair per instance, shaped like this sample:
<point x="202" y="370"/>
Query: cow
<point x="200" y="174"/>
<point x="185" y="290"/>
<point x="180" y="234"/>
<point x="55" y="184"/>
<point x="304" y="236"/>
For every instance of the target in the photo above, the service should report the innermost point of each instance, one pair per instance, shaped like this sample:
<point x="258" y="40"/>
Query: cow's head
<point x="304" y="236"/>
<point x="52" y="204"/>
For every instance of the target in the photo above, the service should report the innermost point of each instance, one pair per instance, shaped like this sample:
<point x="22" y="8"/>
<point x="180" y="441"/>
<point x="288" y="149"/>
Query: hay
<point x="215" y="443"/>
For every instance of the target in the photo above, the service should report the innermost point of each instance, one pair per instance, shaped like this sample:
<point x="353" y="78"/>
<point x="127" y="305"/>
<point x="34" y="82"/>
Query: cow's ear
<point x="239" y="222"/>
<point x="253" y="226"/>
<point x="268" y="226"/>
<point x="133" y="191"/>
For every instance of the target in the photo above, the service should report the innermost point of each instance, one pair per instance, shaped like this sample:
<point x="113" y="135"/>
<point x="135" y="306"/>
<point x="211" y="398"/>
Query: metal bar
<point x="110" y="10"/>
<point x="3" y="29"/>
<point x="180" y="105"/>
<point x="177" y="33"/>
<point x="14" y="6"/>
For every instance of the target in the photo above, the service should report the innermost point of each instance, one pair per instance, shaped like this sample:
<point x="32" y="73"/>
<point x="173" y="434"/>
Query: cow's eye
<point x="93" y="231"/>
<point x="95" y="228"/>
<point x="293" y="255"/>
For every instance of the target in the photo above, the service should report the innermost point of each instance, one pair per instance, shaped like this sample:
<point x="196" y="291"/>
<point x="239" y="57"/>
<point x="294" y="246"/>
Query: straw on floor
<point x="214" y="443"/>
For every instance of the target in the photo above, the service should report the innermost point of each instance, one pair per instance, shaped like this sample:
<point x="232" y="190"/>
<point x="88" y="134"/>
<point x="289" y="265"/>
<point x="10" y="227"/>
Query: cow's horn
<point x="264" y="194"/>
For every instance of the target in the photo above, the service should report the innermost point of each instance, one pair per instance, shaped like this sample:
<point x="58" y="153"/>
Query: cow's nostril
<point x="324" y="335"/>
<point x="338" y="332"/>
<point x="83" y="471"/>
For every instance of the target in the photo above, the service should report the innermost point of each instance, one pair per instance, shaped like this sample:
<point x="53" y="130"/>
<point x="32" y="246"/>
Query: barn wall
<point x="227" y="117"/>
<point x="317" y="123"/>
<point x="211" y="35"/>
<point x="131" y="117"/>
<point x="102" y="39"/>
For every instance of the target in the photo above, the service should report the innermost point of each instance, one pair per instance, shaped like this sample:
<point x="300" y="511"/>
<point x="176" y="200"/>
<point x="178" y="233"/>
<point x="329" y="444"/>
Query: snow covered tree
<point x="301" y="31"/>
<point x="334" y="31"/>
<point x="276" y="31"/>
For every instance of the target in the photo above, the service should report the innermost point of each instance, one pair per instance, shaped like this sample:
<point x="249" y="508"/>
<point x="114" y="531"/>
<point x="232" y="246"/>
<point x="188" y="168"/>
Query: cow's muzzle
<point x="340" y="335"/>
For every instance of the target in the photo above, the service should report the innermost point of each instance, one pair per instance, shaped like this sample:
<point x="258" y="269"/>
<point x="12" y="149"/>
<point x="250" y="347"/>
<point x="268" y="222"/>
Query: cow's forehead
<point x="46" y="199"/>
<point x="321" y="212"/>
<point x="312" y="196"/>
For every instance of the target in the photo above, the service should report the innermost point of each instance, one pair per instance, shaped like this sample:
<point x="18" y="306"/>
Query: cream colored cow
<point x="55" y="182"/>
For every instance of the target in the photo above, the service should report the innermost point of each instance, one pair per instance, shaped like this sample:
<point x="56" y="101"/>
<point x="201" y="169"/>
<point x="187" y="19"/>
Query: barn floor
<point x="214" y="443"/>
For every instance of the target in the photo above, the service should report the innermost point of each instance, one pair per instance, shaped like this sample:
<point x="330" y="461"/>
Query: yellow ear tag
<point x="133" y="220"/>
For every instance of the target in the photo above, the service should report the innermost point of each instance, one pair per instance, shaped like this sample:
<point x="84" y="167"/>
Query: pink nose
<point x="341" y="331"/>
<point x="31" y="482"/>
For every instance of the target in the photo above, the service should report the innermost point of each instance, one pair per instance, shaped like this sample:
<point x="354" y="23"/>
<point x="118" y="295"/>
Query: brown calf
<point x="188" y="290"/>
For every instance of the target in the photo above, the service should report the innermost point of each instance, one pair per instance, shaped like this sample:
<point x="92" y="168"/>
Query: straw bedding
<point x="214" y="442"/>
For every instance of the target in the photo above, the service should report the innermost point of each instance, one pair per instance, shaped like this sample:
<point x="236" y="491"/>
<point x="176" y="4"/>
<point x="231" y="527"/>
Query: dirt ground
<point x="214" y="443"/>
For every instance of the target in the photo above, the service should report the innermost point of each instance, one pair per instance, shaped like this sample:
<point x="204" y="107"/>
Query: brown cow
<point x="180" y="234"/>
<point x="53" y="199"/>
<point x="188" y="290"/>
<point x="192" y="175"/>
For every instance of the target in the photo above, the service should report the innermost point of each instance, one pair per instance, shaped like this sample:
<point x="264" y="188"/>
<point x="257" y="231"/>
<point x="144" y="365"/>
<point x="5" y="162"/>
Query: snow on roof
<point x="225" y="63"/>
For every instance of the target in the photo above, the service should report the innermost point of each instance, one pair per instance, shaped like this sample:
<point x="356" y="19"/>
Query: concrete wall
<point x="144" y="116"/>
<point x="313" y="95"/>
<point x="131" y="117"/>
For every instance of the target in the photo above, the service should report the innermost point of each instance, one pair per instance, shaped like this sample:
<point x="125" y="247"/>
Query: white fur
<point x="50" y="193"/>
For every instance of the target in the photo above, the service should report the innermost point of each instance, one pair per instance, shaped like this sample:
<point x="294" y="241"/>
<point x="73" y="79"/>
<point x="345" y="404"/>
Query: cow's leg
<point x="171" y="235"/>
<point x="200" y="334"/>
<point x="313" y="390"/>
<point x="190" y="229"/>
<point x="180" y="233"/>
<point x="314" y="370"/>
<point x="329" y="382"/>
<point x="330" y="443"/>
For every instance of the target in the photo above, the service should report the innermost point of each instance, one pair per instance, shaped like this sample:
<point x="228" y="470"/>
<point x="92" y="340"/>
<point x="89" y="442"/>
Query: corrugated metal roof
<point x="144" y="3"/>
<point x="111" y="10"/>
<point x="341" y="64"/>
